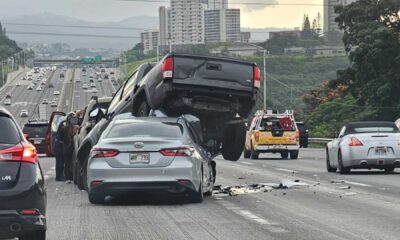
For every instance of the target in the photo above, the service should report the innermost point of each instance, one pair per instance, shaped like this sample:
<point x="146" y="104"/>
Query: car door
<point x="55" y="119"/>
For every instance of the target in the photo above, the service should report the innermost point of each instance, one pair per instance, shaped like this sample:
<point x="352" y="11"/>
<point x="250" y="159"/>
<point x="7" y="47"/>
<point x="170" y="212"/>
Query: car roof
<point x="4" y="111"/>
<point x="145" y="119"/>
<point x="370" y="124"/>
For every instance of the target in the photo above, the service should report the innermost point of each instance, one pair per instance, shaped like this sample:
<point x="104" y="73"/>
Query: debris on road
<point x="220" y="191"/>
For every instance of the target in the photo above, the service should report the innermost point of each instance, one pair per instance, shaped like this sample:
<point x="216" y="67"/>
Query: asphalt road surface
<point x="287" y="199"/>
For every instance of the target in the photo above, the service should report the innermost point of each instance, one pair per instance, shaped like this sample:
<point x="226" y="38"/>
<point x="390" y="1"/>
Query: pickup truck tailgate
<point x="213" y="72"/>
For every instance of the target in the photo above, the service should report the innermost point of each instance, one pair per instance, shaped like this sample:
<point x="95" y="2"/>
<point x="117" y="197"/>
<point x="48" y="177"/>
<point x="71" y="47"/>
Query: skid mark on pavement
<point x="267" y="224"/>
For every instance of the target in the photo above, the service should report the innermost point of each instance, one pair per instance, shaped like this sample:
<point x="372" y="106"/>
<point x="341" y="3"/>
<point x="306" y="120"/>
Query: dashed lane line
<point x="247" y="163"/>
<point x="286" y="170"/>
<point x="268" y="225"/>
<point x="358" y="184"/>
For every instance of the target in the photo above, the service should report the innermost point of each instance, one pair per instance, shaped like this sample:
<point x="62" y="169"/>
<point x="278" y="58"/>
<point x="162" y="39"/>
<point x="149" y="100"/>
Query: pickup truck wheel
<point x="143" y="110"/>
<point x="254" y="154"/>
<point x="234" y="141"/>
<point x="294" y="154"/>
<point x="284" y="155"/>
<point x="246" y="153"/>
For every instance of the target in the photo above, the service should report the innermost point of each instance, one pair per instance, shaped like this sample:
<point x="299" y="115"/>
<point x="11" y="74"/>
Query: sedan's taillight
<point x="167" y="68"/>
<point x="257" y="77"/>
<point x="100" y="153"/>
<point x="354" y="142"/>
<point x="174" y="152"/>
<point x="22" y="152"/>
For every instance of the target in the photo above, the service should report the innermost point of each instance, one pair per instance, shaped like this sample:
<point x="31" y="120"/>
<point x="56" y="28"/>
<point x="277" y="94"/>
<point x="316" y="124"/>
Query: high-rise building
<point x="187" y="22"/>
<point x="215" y="4"/>
<point x="150" y="40"/>
<point x="164" y="25"/>
<point x="330" y="15"/>
<point x="222" y="25"/>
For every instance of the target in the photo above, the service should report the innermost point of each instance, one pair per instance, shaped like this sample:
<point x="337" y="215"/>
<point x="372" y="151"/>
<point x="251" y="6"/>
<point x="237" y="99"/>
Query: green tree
<point x="371" y="37"/>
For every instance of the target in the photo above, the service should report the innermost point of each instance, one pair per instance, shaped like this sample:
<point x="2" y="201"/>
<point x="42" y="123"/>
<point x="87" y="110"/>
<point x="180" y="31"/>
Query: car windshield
<point x="9" y="133"/>
<point x="146" y="129"/>
<point x="376" y="130"/>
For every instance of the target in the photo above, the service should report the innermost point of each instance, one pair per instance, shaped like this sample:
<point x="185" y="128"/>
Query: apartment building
<point x="222" y="25"/>
<point x="150" y="40"/>
<point x="186" y="20"/>
<point x="330" y="15"/>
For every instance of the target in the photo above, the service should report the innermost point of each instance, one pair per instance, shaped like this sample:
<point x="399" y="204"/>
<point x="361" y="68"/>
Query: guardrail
<point x="319" y="140"/>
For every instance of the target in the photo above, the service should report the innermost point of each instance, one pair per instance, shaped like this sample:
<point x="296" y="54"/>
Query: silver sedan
<point x="364" y="145"/>
<point x="149" y="154"/>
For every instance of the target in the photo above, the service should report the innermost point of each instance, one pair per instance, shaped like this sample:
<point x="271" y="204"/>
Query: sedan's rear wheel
<point x="197" y="196"/>
<point x="328" y="163"/>
<point x="342" y="169"/>
<point x="389" y="169"/>
<point x="37" y="235"/>
<point x="96" y="198"/>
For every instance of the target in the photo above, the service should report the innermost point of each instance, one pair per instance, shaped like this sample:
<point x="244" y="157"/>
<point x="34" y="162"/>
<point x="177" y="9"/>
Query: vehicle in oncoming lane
<point x="364" y="145"/>
<point x="7" y="101"/>
<point x="132" y="152"/>
<point x="24" y="113"/>
<point x="22" y="189"/>
<point x="56" y="93"/>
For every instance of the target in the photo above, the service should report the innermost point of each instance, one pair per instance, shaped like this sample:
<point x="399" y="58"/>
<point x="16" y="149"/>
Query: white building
<point x="164" y="25"/>
<point x="330" y="15"/>
<point x="222" y="25"/>
<point x="150" y="40"/>
<point x="215" y="4"/>
<point x="187" y="22"/>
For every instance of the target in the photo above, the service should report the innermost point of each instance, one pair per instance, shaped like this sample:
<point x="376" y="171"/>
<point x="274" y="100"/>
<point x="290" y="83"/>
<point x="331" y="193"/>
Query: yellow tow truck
<point x="272" y="132"/>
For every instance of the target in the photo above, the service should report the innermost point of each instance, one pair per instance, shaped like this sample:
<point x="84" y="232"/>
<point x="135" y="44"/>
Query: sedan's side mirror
<point x="96" y="114"/>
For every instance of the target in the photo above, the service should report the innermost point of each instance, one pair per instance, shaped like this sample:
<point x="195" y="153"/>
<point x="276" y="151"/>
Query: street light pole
<point x="265" y="81"/>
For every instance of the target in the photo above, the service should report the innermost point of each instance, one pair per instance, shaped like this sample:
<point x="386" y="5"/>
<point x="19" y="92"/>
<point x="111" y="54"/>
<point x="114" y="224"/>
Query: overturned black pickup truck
<point x="220" y="92"/>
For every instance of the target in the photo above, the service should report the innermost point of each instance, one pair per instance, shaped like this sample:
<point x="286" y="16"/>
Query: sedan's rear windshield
<point x="146" y="129"/>
<point x="376" y="130"/>
<point x="35" y="130"/>
<point x="9" y="132"/>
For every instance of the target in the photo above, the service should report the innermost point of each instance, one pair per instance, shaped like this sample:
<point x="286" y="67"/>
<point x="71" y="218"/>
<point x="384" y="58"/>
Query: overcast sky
<point x="253" y="16"/>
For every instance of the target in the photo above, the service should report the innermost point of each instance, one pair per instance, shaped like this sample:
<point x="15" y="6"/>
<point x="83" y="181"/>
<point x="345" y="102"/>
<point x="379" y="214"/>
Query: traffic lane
<point x="316" y="211"/>
<point x="71" y="216"/>
<point x="312" y="166"/>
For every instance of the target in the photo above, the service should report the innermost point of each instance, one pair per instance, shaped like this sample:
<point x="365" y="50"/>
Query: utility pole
<point x="265" y="80"/>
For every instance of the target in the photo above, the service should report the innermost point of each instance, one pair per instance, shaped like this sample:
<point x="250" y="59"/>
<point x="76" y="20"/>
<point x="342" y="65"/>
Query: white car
<point x="85" y="86"/>
<point x="100" y="79"/>
<point x="30" y="87"/>
<point x="56" y="92"/>
<point x="45" y="101"/>
<point x="94" y="90"/>
<point x="24" y="113"/>
<point x="39" y="88"/>
<point x="53" y="104"/>
<point x="7" y="102"/>
<point x="18" y="84"/>
<point x="364" y="145"/>
<point x="92" y="85"/>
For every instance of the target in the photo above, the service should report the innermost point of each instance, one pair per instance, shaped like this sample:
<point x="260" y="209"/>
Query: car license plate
<point x="380" y="151"/>
<point x="139" y="158"/>
<point x="37" y="141"/>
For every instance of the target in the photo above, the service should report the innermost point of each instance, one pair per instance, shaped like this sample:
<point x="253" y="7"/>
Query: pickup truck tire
<point x="284" y="155"/>
<point x="234" y="141"/>
<point x="294" y="154"/>
<point x="246" y="153"/>
<point x="254" y="154"/>
<point x="143" y="110"/>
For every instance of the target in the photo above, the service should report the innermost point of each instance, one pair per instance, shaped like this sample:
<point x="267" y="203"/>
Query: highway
<point x="274" y="198"/>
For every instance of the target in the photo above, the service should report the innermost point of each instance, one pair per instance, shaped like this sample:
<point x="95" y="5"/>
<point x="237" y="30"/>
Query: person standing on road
<point x="59" y="151"/>
<point x="68" y="148"/>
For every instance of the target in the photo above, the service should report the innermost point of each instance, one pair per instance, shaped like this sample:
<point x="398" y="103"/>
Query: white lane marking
<point x="270" y="226"/>
<point x="247" y="163"/>
<point x="358" y="184"/>
<point x="286" y="170"/>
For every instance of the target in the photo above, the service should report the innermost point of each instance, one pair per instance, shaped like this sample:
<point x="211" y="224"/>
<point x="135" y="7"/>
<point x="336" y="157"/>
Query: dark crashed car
<point x="22" y="189"/>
